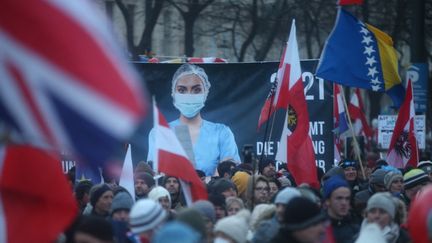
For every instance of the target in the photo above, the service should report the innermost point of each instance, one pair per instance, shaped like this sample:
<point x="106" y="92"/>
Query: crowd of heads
<point x="261" y="204"/>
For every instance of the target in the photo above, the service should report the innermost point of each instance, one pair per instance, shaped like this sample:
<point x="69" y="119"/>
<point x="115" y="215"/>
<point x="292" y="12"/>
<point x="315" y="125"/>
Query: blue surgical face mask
<point x="189" y="105"/>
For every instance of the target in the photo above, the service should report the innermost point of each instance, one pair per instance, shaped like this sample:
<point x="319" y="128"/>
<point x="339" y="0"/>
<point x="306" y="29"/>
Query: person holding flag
<point x="211" y="142"/>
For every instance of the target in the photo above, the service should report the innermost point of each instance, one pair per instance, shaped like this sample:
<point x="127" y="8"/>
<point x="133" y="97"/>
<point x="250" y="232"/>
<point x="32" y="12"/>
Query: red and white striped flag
<point x="36" y="200"/>
<point x="171" y="159"/>
<point x="403" y="148"/>
<point x="296" y="144"/>
<point x="356" y="111"/>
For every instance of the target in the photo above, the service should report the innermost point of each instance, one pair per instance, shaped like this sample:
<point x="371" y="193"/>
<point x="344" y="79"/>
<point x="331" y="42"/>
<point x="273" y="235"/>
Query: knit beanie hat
<point x="384" y="201"/>
<point x="97" y="192"/>
<point x="415" y="177"/>
<point x="301" y="213"/>
<point x="264" y="163"/>
<point x="426" y="166"/>
<point x="149" y="180"/>
<point x="333" y="183"/>
<point x="235" y="226"/>
<point x="206" y="209"/>
<point x="240" y="179"/>
<point x="335" y="171"/>
<point x="390" y="177"/>
<point x="288" y="193"/>
<point x="143" y="166"/>
<point x="194" y="219"/>
<point x="176" y="232"/>
<point x="146" y="215"/>
<point x="121" y="200"/>
<point x="377" y="177"/>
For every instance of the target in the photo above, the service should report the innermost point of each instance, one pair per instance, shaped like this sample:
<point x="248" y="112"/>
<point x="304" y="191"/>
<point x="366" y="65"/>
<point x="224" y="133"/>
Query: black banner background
<point x="237" y="93"/>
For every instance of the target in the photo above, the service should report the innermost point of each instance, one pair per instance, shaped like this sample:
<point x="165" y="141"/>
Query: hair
<point x="231" y="200"/>
<point x="225" y="167"/>
<point x="187" y="69"/>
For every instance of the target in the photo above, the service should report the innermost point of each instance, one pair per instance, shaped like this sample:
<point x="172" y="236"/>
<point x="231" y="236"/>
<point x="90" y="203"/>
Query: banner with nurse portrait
<point x="237" y="93"/>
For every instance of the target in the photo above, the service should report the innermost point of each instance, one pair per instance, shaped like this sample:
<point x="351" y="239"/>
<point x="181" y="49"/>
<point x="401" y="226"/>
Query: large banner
<point x="237" y="93"/>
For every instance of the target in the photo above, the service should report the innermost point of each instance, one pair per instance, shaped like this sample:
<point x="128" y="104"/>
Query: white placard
<point x="386" y="124"/>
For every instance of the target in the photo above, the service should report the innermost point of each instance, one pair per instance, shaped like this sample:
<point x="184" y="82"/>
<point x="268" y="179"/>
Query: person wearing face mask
<point x="211" y="142"/>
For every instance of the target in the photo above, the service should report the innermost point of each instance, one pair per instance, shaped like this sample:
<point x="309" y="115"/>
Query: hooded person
<point x="207" y="211"/>
<point x="382" y="210"/>
<point x="233" y="228"/>
<point x="240" y="179"/>
<point x="161" y="195"/>
<point x="212" y="142"/>
<point x="303" y="222"/>
<point x="376" y="184"/>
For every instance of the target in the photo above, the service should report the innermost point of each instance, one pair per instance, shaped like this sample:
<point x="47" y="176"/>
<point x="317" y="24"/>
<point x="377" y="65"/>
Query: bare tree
<point x="190" y="10"/>
<point x="153" y="9"/>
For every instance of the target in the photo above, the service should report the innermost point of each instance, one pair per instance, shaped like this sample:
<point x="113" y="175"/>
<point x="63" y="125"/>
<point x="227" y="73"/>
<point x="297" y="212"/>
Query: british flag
<point x="63" y="81"/>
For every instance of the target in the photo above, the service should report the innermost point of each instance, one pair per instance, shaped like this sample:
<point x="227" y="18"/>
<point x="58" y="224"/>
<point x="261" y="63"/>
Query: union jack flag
<point x="63" y="84"/>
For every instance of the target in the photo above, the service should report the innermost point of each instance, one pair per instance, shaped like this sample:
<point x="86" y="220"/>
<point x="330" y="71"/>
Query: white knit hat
<point x="288" y="193"/>
<point x="158" y="192"/>
<point x="235" y="226"/>
<point x="146" y="215"/>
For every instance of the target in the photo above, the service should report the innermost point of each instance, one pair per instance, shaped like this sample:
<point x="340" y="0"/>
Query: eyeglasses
<point x="262" y="189"/>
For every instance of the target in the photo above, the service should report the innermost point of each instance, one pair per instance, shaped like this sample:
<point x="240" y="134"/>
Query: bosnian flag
<point x="36" y="200"/>
<point x="403" y="148"/>
<point x="64" y="84"/>
<point x="171" y="159"/>
<point x="355" y="108"/>
<point x="295" y="146"/>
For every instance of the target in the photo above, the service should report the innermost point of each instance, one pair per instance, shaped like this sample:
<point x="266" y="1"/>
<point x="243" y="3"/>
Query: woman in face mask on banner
<point x="211" y="142"/>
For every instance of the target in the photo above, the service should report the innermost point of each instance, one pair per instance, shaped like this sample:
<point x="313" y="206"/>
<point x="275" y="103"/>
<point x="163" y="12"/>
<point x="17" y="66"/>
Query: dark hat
<point x="264" y="163"/>
<point x="301" y="213"/>
<point x="97" y="227"/>
<point x="221" y="185"/>
<point x="143" y="166"/>
<point x="426" y="166"/>
<point x="333" y="183"/>
<point x="82" y="188"/>
<point x="200" y="173"/>
<point x="206" y="209"/>
<point x="149" y="180"/>
<point x="97" y="192"/>
<point x="194" y="219"/>
<point x="348" y="163"/>
<point x="415" y="177"/>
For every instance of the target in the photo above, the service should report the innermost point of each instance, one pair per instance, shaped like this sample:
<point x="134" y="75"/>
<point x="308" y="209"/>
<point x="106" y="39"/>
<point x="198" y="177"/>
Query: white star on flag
<point x="375" y="87"/>
<point x="372" y="71"/>
<point x="375" y="81"/>
<point x="370" y="61"/>
<point x="364" y="31"/>
<point x="369" y="50"/>
<point x="367" y="39"/>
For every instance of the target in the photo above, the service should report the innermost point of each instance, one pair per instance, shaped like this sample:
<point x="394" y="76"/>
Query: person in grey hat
<point x="120" y="206"/>
<point x="268" y="229"/>
<point x="376" y="184"/>
<point x="382" y="209"/>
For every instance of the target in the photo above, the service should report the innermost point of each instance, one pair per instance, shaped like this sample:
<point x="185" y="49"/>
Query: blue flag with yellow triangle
<point x="359" y="55"/>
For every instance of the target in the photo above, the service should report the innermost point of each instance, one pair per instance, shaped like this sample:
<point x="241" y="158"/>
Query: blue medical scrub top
<point x="215" y="142"/>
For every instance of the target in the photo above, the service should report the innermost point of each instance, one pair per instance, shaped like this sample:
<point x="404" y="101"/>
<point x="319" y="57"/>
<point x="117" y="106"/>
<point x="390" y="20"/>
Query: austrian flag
<point x="171" y="159"/>
<point x="403" y="148"/>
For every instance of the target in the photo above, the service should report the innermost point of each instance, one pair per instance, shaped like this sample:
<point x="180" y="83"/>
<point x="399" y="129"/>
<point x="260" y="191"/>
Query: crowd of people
<point x="247" y="204"/>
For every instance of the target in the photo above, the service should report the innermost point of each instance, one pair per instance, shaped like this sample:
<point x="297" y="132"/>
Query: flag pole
<point x="356" y="145"/>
